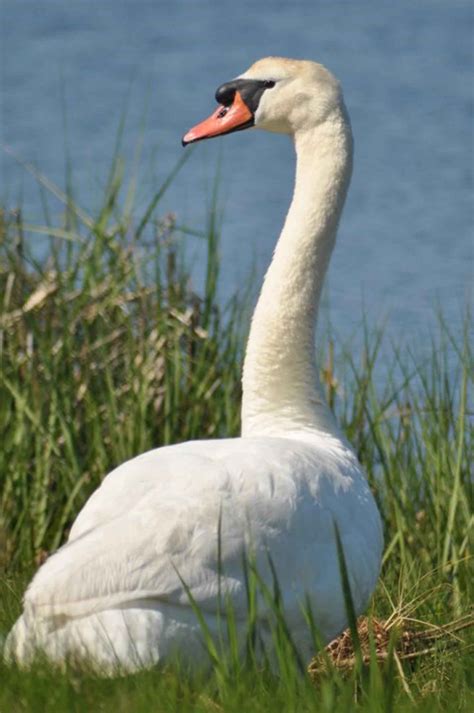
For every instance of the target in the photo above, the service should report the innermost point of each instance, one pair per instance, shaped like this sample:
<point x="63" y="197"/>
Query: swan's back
<point x="154" y="523"/>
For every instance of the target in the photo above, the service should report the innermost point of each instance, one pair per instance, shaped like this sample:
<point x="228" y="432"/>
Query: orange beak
<point x="224" y="120"/>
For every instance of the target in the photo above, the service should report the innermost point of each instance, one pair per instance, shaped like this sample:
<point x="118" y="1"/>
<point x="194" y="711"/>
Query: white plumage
<point x="113" y="595"/>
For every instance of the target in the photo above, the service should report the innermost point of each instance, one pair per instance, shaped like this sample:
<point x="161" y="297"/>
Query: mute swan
<point x="113" y="595"/>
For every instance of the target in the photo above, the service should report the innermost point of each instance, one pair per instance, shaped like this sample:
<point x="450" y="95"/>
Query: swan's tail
<point x="109" y="642"/>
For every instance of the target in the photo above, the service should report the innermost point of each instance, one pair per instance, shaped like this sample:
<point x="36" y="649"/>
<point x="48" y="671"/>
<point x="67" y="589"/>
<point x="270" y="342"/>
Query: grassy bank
<point x="107" y="351"/>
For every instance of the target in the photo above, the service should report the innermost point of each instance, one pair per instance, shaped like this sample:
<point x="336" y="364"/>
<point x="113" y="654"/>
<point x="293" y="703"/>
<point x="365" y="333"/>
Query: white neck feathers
<point x="281" y="392"/>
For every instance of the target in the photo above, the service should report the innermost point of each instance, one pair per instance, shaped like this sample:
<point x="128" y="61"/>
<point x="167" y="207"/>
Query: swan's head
<point x="277" y="94"/>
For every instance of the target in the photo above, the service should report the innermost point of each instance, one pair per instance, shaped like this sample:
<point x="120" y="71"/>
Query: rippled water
<point x="406" y="239"/>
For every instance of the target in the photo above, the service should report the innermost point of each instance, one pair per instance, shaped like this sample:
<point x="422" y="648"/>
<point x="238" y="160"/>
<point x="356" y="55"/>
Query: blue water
<point x="405" y="243"/>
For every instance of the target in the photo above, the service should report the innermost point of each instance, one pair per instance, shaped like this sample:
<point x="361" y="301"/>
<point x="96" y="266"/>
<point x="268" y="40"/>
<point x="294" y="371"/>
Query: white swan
<point x="114" y="595"/>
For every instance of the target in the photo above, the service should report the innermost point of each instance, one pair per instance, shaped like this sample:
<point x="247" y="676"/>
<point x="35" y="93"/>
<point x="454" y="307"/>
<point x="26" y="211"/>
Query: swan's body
<point x="114" y="594"/>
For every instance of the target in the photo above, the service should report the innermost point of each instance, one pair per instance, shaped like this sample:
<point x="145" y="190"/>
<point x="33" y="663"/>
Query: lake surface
<point x="405" y="244"/>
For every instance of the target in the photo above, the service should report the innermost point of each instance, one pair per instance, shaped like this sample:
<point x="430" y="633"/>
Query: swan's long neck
<point x="281" y="392"/>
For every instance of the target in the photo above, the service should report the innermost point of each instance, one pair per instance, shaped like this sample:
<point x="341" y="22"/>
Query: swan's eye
<point x="269" y="84"/>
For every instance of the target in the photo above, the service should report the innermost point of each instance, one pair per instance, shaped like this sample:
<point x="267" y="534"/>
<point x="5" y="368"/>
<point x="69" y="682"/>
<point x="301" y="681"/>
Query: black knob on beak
<point x="250" y="90"/>
<point x="225" y="93"/>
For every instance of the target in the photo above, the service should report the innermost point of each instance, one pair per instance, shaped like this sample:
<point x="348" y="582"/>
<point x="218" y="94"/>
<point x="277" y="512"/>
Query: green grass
<point x="106" y="351"/>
